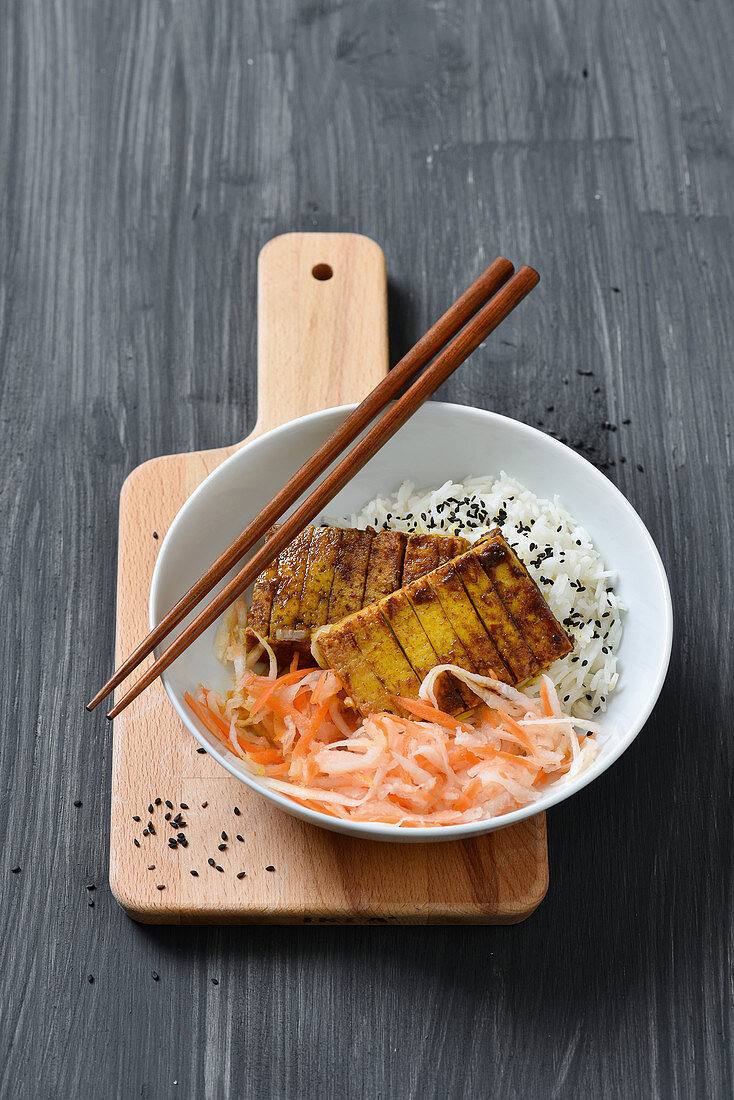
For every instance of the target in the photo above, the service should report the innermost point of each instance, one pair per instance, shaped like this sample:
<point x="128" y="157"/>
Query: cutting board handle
<point x="322" y="324"/>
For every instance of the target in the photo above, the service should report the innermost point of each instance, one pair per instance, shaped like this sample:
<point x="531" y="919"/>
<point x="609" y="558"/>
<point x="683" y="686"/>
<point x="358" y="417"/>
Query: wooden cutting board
<point x="322" y="340"/>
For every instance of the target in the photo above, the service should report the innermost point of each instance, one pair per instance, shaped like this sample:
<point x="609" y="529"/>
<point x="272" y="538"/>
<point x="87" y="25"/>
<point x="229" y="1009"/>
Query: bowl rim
<point x="369" y="830"/>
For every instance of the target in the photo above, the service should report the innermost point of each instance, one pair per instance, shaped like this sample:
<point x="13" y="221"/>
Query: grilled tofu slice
<point x="262" y="600"/>
<point x="350" y="574"/>
<point x="382" y="653"/>
<point x="416" y="645"/>
<point x="287" y="599"/>
<point x="500" y="626"/>
<point x="316" y="591"/>
<point x="442" y="636"/>
<point x="385" y="568"/>
<point x="459" y="609"/>
<point x="336" y="647"/>
<point x="524" y="602"/>
<point x="424" y="553"/>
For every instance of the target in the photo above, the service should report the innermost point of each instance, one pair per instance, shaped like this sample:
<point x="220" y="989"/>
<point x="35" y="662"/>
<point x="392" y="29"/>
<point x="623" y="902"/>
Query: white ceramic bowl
<point x="441" y="441"/>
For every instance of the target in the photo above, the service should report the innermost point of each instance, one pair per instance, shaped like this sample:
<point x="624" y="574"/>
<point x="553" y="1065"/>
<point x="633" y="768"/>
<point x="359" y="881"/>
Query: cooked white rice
<point x="558" y="553"/>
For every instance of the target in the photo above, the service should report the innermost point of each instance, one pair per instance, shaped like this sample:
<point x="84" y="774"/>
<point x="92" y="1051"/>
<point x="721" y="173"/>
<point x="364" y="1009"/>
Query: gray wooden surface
<point x="147" y="151"/>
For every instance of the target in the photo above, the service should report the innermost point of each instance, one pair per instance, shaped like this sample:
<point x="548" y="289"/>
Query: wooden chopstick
<point x="422" y="353"/>
<point x="487" y="319"/>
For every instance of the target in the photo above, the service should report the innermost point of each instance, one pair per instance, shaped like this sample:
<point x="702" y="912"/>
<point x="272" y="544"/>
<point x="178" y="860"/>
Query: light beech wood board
<point x="321" y="342"/>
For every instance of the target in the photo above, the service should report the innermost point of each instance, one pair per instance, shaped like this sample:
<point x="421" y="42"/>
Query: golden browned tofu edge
<point x="262" y="600"/>
<point x="525" y="602"/>
<point x="291" y="570"/>
<point x="449" y="547"/>
<point x="350" y="573"/>
<point x="499" y="624"/>
<point x="382" y="651"/>
<point x="460" y="612"/>
<point x="336" y="647"/>
<point x="441" y="634"/>
<point x="319" y="577"/>
<point x="421" y="557"/>
<point x="385" y="566"/>
<point x="400" y="614"/>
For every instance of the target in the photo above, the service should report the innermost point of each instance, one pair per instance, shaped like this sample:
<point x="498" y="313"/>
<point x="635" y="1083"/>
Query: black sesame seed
<point x="78" y="803"/>
<point x="237" y="811"/>
<point x="201" y="750"/>
<point x="158" y="801"/>
<point x="169" y="804"/>
<point x="220" y="868"/>
<point x="224" y="835"/>
<point x="91" y="886"/>
<point x="270" y="868"/>
<point x="194" y="873"/>
<point x="210" y="861"/>
<point x="156" y="978"/>
<point x="240" y="837"/>
<point x="640" y="468"/>
<point x="240" y="874"/>
<point x="168" y="817"/>
<point x="136" y="817"/>
<point x="151" y="866"/>
<point x="90" y="979"/>
<point x="215" y="981"/>
<point x="172" y="842"/>
<point x="136" y="842"/>
<point x="150" y="808"/>
<point x="151" y="829"/>
<point x="15" y="870"/>
<point x="183" y="806"/>
<point x="160" y="887"/>
<point x="145" y="832"/>
<point x="222" y="847"/>
<point x="90" y="903"/>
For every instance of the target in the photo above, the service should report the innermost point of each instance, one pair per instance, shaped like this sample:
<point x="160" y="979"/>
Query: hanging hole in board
<point x="322" y="272"/>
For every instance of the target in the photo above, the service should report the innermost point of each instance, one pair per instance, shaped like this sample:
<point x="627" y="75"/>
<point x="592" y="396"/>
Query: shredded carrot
<point x="424" y="767"/>
<point x="431" y="714"/>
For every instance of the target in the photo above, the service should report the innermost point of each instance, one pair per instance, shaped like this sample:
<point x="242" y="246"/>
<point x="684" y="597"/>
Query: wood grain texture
<point x="320" y="342"/>
<point x="147" y="151"/>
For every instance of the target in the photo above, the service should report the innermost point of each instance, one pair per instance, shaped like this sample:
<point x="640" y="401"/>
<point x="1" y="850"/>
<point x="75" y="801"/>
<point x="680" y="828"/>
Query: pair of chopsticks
<point x="458" y="333"/>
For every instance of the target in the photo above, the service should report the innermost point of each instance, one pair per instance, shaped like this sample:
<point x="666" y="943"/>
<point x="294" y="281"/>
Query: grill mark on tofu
<point x="319" y="577"/>
<point x="262" y="600"/>
<point x="449" y="546"/>
<point x="383" y="654"/>
<point x="421" y="556"/>
<point x="524" y="601"/>
<point x="338" y="649"/>
<point x="424" y="553"/>
<point x="385" y="567"/>
<point x="459" y="609"/>
<point x="416" y="645"/>
<point x="441" y="634"/>
<point x="500" y="626"/>
<point x="291" y="570"/>
<point x="350" y="574"/>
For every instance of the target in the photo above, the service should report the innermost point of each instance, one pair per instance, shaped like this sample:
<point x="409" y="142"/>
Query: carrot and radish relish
<point x="299" y="732"/>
